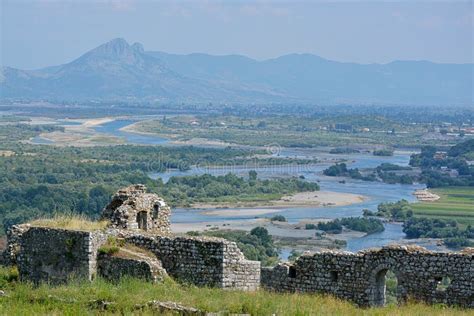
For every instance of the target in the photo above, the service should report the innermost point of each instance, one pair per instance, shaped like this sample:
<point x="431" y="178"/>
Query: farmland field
<point x="455" y="203"/>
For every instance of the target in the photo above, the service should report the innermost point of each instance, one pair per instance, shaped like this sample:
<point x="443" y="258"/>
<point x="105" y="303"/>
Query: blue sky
<point x="48" y="32"/>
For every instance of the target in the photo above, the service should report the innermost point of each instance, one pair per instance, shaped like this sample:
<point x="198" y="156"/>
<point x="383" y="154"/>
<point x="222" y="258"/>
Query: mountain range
<point x="117" y="70"/>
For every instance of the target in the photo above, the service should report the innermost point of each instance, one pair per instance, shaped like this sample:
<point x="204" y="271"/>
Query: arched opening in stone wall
<point x="142" y="220"/>
<point x="385" y="291"/>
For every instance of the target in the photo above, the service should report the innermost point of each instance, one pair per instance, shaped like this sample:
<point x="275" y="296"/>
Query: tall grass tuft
<point x="70" y="221"/>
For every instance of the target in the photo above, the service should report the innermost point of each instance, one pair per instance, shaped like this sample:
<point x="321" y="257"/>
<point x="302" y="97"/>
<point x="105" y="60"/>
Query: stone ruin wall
<point x="57" y="255"/>
<point x="132" y="208"/>
<point x="14" y="234"/>
<point x="360" y="277"/>
<point x="113" y="268"/>
<point x="202" y="261"/>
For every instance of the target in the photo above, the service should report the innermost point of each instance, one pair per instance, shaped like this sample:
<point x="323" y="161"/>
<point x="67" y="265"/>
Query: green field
<point x="455" y="203"/>
<point x="80" y="298"/>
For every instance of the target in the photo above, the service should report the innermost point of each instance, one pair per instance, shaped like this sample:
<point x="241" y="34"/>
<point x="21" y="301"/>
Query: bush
<point x="366" y="225"/>
<point x="383" y="152"/>
<point x="332" y="227"/>
<point x="256" y="245"/>
<point x="112" y="246"/>
<point x="398" y="211"/>
<point x="339" y="169"/>
<point x="278" y="218"/>
<point x="367" y="212"/>
<point x="310" y="226"/>
<point x="457" y="242"/>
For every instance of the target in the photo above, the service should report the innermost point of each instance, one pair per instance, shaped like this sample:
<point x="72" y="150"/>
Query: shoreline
<point x="82" y="135"/>
<point x="314" y="199"/>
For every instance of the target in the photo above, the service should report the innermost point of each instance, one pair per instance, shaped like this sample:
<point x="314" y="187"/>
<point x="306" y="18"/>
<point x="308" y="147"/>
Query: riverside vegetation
<point x="416" y="225"/>
<point x="40" y="181"/>
<point x="321" y="126"/>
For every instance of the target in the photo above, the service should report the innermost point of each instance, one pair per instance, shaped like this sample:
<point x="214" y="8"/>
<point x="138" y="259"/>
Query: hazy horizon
<point x="37" y="34"/>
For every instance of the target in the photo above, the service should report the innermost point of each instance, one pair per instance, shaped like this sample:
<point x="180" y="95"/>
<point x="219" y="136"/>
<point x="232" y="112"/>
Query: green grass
<point x="455" y="203"/>
<point x="75" y="299"/>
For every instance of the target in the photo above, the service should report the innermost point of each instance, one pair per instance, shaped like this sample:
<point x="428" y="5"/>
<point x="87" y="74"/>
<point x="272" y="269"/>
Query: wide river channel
<point x="375" y="192"/>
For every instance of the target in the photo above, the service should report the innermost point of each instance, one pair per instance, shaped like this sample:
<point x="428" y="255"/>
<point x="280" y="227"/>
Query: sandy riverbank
<point x="83" y="134"/>
<point x="302" y="199"/>
<point x="134" y="128"/>
<point x="278" y="229"/>
<point x="97" y="121"/>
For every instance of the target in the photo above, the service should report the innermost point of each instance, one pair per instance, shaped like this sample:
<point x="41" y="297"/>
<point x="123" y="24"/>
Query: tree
<point x="262" y="234"/>
<point x="253" y="175"/>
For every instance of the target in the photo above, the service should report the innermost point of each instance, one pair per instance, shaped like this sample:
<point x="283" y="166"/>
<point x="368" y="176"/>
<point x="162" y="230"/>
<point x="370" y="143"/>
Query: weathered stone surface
<point x="133" y="208"/>
<point x="202" y="261"/>
<point x="57" y="255"/>
<point x="360" y="277"/>
<point x="14" y="233"/>
<point x="113" y="268"/>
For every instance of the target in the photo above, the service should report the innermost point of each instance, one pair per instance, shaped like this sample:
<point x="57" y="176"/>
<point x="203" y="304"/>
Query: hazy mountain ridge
<point x="117" y="70"/>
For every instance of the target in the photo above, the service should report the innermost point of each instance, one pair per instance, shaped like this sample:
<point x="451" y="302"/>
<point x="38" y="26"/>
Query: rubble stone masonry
<point x="57" y="255"/>
<point x="360" y="277"/>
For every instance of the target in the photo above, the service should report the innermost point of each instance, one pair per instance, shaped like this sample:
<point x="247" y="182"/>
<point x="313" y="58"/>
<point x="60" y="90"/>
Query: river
<point x="376" y="192"/>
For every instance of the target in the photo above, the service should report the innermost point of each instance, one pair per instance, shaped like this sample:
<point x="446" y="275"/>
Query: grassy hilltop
<point x="79" y="298"/>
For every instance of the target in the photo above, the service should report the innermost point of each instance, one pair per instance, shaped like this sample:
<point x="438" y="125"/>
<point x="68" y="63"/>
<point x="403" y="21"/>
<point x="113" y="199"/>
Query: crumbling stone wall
<point x="57" y="255"/>
<point x="14" y="233"/>
<point x="360" y="277"/>
<point x="202" y="261"/>
<point x="238" y="272"/>
<point x="114" y="268"/>
<point x="133" y="208"/>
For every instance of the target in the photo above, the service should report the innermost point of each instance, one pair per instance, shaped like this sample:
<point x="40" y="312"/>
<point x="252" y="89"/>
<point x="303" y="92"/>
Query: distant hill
<point x="117" y="70"/>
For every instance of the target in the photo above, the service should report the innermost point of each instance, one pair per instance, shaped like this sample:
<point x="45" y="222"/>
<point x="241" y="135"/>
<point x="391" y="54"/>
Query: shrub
<point x="366" y="225"/>
<point x="108" y="250"/>
<point x="367" y="212"/>
<point x="457" y="242"/>
<point x="310" y="226"/>
<point x="278" y="218"/>
<point x="383" y="152"/>
<point x="332" y="227"/>
<point x="112" y="246"/>
<point x="400" y="210"/>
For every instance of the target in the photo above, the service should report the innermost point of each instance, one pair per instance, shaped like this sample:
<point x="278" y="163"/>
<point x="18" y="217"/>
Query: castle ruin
<point x="133" y="208"/>
<point x="142" y="220"/>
